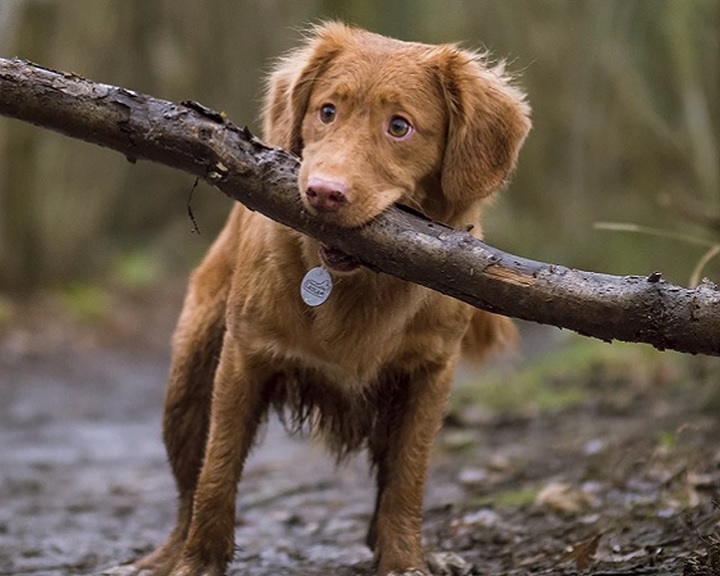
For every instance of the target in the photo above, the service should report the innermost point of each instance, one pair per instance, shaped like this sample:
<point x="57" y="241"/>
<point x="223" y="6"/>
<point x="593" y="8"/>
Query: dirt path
<point x="628" y="483"/>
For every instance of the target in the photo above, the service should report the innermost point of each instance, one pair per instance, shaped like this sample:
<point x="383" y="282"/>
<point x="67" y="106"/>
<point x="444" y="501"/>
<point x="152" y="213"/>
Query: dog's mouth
<point x="337" y="260"/>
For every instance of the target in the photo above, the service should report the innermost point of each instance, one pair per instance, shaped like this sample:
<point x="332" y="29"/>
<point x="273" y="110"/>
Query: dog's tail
<point x="486" y="333"/>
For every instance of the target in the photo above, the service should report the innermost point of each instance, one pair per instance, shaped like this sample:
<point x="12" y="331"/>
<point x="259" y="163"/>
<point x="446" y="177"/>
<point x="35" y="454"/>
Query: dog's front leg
<point x="402" y="460"/>
<point x="238" y="407"/>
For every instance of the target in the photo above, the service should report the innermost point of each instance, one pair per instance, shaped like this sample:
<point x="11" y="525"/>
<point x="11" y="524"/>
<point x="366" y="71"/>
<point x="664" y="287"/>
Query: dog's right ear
<point x="291" y="82"/>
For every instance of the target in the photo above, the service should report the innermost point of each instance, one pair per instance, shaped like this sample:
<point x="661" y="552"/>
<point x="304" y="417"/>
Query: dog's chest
<point x="349" y="339"/>
<point x="348" y="347"/>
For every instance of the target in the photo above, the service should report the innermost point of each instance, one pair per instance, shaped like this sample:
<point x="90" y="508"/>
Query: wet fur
<point x="372" y="367"/>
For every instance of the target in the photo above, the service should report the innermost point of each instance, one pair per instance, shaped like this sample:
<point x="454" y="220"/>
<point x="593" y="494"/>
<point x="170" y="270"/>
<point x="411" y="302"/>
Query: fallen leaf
<point x="562" y="497"/>
<point x="583" y="552"/>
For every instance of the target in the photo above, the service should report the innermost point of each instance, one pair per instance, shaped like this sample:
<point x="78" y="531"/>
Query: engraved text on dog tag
<point x="316" y="286"/>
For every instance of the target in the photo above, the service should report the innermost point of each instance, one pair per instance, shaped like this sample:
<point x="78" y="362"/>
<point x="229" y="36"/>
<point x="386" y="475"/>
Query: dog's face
<point x="369" y="138"/>
<point x="379" y="121"/>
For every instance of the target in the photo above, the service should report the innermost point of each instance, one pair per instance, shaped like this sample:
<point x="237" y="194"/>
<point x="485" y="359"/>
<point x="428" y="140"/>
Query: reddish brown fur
<point x="373" y="365"/>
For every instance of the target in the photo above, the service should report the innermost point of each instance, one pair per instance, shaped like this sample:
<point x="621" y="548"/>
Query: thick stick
<point x="201" y="142"/>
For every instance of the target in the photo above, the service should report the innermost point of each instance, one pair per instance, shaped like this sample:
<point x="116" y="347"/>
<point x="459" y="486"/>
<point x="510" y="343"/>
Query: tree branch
<point x="201" y="142"/>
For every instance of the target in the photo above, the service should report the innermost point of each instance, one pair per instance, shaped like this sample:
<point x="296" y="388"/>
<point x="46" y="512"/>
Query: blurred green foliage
<point x="625" y="93"/>
<point x="86" y="301"/>
<point x="575" y="371"/>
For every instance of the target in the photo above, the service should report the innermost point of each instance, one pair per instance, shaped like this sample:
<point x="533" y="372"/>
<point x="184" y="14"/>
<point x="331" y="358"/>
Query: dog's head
<point x="379" y="121"/>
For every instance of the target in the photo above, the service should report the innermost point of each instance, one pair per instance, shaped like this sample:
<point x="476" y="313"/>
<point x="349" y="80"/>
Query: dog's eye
<point x="327" y="113"/>
<point x="399" y="127"/>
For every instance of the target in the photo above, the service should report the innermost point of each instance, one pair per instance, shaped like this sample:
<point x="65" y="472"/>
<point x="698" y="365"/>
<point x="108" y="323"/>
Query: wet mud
<point x="586" y="489"/>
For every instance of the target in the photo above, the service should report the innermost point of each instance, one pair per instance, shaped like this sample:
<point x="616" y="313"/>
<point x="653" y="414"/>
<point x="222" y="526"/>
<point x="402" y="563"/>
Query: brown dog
<point x="376" y="121"/>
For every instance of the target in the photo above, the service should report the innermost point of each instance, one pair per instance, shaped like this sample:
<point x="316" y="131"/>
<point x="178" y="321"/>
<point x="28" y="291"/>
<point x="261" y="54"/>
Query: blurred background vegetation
<point x="625" y="97"/>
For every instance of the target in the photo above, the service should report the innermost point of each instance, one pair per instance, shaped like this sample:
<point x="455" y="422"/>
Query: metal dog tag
<point x="316" y="286"/>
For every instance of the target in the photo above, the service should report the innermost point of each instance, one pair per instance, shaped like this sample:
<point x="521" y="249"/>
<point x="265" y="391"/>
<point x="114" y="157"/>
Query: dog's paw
<point x="448" y="564"/>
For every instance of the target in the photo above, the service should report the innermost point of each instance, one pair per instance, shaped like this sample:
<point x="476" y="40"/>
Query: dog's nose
<point x="326" y="195"/>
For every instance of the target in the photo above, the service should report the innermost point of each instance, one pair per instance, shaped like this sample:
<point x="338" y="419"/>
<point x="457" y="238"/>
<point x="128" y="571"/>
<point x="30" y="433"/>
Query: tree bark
<point x="202" y="142"/>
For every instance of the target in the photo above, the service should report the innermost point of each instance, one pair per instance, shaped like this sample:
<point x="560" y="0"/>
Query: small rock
<point x="485" y="518"/>
<point x="473" y="476"/>
<point x="448" y="564"/>
<point x="594" y="446"/>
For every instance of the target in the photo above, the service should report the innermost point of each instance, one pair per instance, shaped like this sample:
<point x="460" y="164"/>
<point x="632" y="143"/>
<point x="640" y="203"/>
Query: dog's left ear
<point x="488" y="122"/>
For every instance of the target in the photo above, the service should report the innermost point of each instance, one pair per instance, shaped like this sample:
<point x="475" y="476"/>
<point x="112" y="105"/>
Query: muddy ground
<point x="620" y="478"/>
